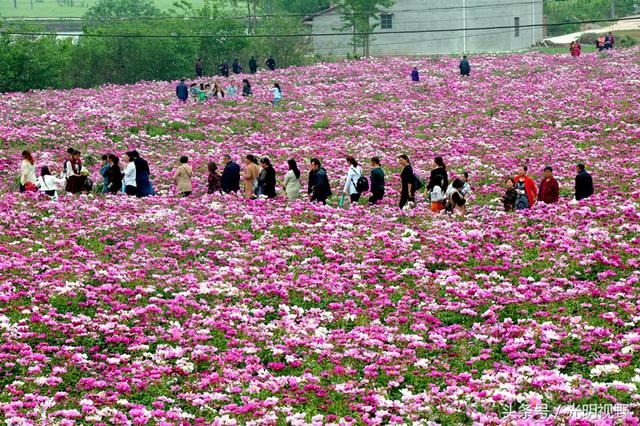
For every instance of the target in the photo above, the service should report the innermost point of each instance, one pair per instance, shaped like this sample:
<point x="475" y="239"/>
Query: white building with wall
<point x="423" y="27"/>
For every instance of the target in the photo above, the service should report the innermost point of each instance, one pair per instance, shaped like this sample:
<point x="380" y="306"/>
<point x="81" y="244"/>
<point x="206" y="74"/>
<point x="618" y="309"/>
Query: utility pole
<point x="464" y="26"/>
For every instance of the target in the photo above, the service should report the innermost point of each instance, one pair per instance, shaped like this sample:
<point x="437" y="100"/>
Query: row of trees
<point x="125" y="41"/>
<point x="558" y="11"/>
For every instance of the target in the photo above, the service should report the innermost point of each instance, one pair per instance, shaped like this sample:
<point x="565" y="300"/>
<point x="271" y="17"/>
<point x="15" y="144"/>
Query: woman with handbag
<point x="48" y="183"/>
<point x="182" y="177"/>
<point x="27" y="173"/>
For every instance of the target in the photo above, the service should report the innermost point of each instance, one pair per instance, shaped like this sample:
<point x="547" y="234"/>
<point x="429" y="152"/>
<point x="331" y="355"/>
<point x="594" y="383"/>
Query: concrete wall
<point x="417" y="15"/>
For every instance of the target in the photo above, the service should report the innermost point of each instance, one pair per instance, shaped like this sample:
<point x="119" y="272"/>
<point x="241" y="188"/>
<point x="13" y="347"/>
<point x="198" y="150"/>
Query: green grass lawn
<point x="51" y="9"/>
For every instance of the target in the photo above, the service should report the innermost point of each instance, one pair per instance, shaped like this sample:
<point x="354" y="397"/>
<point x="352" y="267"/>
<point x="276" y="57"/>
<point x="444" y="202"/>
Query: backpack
<point x="362" y="184"/>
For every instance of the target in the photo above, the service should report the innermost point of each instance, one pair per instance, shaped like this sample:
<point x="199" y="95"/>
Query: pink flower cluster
<point x="216" y="310"/>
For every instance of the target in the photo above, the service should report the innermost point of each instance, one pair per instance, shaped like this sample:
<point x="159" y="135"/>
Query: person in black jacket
<point x="271" y="63"/>
<point x="407" y="178"/>
<point x="319" y="188"/>
<point x="267" y="179"/>
<point x="253" y="65"/>
<point x="230" y="175"/>
<point x="114" y="174"/>
<point x="237" y="68"/>
<point x="439" y="170"/>
<point x="377" y="181"/>
<point x="584" y="183"/>
<point x="465" y="67"/>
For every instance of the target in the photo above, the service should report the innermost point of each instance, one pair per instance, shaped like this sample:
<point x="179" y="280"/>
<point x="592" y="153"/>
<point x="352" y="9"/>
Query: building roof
<point x="322" y="12"/>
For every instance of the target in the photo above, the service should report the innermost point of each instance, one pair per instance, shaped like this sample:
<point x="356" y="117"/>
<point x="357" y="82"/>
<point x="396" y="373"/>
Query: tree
<point x="287" y="50"/>
<point x="122" y="8"/>
<point x="300" y="7"/>
<point x="357" y="16"/>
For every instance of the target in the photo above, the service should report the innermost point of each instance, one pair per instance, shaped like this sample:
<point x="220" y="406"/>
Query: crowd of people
<point x="603" y="42"/>
<point x="205" y="92"/>
<point x="258" y="179"/>
<point x="224" y="69"/>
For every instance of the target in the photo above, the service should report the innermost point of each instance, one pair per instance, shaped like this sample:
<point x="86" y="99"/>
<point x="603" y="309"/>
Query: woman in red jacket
<point x="528" y="186"/>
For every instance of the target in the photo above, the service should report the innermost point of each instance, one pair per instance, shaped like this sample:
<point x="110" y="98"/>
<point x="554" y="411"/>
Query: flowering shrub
<point x="218" y="310"/>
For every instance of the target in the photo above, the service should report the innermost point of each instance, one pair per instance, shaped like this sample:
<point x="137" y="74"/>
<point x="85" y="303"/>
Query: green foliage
<point x="582" y="10"/>
<point x="122" y="8"/>
<point x="32" y="62"/>
<point x="361" y="17"/>
<point x="301" y="7"/>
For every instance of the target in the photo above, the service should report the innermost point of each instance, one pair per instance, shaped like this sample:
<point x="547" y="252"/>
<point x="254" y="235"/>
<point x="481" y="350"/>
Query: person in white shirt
<point x="353" y="174"/>
<point x="48" y="183"/>
<point x="130" y="186"/>
<point x="437" y="195"/>
<point x="27" y="172"/>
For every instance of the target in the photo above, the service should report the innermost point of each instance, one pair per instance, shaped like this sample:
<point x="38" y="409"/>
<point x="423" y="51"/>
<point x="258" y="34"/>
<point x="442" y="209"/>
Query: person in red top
<point x="530" y="187"/>
<point x="549" y="188"/>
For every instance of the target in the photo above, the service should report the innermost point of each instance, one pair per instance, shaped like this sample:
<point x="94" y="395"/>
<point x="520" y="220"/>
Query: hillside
<point x="221" y="310"/>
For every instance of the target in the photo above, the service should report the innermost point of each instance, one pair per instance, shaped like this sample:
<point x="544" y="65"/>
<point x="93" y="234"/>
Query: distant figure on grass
<point x="194" y="91"/>
<point x="104" y="172"/>
<point x="130" y="183"/>
<point x="27" y="173"/>
<point x="608" y="41"/>
<point x="291" y="183"/>
<point x="575" y="49"/>
<point x="584" y="183"/>
<point x="246" y="88"/>
<point x="114" y="174"/>
<point x="182" y="177"/>
<point x="143" y="182"/>
<point x="319" y="188"/>
<point x="48" y="183"/>
<point x="526" y="189"/>
<point x="377" y="181"/>
<point x="277" y="94"/>
<point x="354" y="172"/>
<point x="415" y="74"/>
<point x="199" y="67"/>
<point x="549" y="188"/>
<point x="182" y="92"/>
<point x="456" y="203"/>
<point x="230" y="175"/>
<point x="408" y="181"/>
<point x="271" y="63"/>
<point x="266" y="180"/>
<point x="218" y="93"/>
<point x="214" y="181"/>
<point x="510" y="196"/>
<point x="253" y="65"/>
<point x="236" y="67"/>
<point x="250" y="176"/>
<point x="224" y="69"/>
<point x="465" y="67"/>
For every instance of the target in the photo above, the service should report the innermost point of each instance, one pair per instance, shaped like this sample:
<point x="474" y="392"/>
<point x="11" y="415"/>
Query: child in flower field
<point x="510" y="196"/>
<point x="277" y="94"/>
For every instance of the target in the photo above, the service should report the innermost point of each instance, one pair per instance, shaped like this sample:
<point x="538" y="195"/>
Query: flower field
<point x="219" y="310"/>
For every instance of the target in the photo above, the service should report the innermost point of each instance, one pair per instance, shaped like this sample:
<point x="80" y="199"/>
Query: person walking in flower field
<point x="408" y="181"/>
<point x="377" y="181"/>
<point x="584" y="183"/>
<point x="319" y="188"/>
<point x="182" y="177"/>
<point x="549" y="188"/>
<point x="292" y="181"/>
<point x="526" y="189"/>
